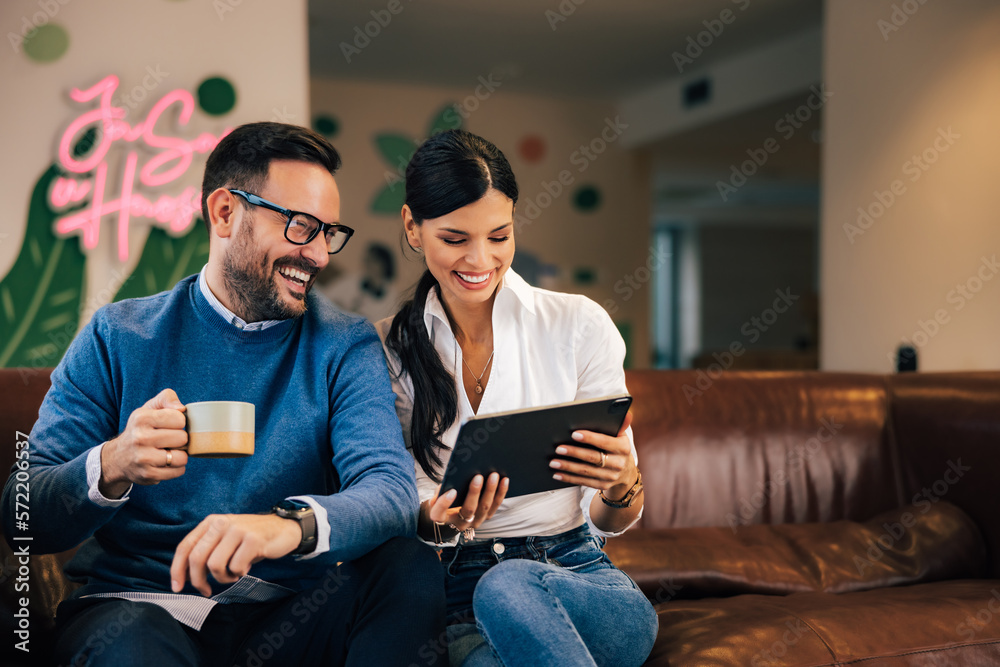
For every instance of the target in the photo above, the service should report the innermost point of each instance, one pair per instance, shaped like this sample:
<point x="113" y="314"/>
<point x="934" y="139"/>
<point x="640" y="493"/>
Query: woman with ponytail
<point x="526" y="580"/>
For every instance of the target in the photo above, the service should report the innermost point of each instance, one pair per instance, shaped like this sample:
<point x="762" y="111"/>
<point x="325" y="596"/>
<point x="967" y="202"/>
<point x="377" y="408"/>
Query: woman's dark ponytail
<point x="450" y="170"/>
<point x="435" y="402"/>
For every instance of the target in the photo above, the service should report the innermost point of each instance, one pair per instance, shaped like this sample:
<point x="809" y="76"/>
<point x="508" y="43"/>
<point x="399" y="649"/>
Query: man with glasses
<point x="298" y="554"/>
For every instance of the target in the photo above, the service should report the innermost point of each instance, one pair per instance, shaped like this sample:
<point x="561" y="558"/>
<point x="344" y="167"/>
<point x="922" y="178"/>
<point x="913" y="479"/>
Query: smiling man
<point x="300" y="552"/>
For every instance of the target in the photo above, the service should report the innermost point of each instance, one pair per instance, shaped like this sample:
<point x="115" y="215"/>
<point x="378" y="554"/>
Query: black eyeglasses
<point x="301" y="228"/>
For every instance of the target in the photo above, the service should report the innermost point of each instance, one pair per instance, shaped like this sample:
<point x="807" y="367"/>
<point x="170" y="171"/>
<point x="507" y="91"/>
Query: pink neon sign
<point x="171" y="161"/>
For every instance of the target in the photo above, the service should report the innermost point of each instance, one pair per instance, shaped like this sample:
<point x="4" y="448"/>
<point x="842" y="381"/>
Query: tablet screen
<point x="520" y="444"/>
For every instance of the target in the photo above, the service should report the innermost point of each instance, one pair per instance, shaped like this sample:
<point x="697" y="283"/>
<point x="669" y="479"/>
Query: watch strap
<point x="306" y="518"/>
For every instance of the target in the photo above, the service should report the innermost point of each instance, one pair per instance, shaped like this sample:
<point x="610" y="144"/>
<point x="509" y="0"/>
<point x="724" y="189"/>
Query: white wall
<point x="263" y="52"/>
<point x="898" y="94"/>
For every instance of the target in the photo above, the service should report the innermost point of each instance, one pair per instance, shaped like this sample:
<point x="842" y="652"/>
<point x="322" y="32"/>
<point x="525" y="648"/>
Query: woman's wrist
<point x="431" y="531"/>
<point x="630" y="497"/>
<point x="618" y="491"/>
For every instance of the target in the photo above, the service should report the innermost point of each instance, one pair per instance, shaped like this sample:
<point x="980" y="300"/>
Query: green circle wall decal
<point x="46" y="43"/>
<point x="587" y="198"/>
<point x="216" y="96"/>
<point x="326" y="125"/>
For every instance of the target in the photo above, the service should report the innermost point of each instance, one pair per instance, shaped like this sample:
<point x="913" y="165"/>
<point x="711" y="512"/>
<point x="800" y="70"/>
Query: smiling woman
<point x="472" y="315"/>
<point x="467" y="250"/>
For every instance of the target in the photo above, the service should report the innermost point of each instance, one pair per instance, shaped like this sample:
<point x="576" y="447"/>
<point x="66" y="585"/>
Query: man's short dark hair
<point x="243" y="157"/>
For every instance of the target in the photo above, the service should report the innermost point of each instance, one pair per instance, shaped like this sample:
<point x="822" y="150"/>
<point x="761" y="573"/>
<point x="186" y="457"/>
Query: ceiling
<point x="717" y="146"/>
<point x="590" y="48"/>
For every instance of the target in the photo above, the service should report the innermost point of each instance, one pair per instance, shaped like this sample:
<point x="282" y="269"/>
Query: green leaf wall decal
<point x="446" y="119"/>
<point x="165" y="260"/>
<point x="40" y="297"/>
<point x="391" y="199"/>
<point x="396" y="150"/>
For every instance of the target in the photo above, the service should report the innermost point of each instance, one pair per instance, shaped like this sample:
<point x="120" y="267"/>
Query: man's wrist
<point x="303" y="514"/>
<point x="110" y="485"/>
<point x="294" y="530"/>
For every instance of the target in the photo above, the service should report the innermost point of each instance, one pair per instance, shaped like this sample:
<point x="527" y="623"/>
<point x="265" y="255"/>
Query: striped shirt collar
<point x="227" y="314"/>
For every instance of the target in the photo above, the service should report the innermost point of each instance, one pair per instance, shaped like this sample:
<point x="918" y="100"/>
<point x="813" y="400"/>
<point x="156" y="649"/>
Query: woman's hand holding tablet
<point x="524" y="444"/>
<point x="605" y="463"/>
<point x="480" y="504"/>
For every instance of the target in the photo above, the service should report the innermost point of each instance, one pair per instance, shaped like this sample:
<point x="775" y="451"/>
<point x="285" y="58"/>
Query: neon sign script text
<point x="172" y="158"/>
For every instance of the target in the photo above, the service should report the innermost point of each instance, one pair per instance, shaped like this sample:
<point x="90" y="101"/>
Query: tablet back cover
<point x="520" y="444"/>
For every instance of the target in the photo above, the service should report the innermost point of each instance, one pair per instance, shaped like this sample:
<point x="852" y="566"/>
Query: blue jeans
<point x="544" y="601"/>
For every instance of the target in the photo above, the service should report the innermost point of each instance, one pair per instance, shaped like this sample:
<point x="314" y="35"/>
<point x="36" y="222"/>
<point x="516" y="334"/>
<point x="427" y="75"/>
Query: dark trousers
<point x="386" y="608"/>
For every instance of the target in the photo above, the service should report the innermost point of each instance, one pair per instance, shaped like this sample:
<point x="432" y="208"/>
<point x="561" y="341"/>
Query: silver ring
<point x="170" y="457"/>
<point x="604" y="458"/>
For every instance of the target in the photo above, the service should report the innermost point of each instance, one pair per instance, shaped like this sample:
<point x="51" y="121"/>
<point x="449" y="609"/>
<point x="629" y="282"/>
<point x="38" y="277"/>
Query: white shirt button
<point x="498" y="548"/>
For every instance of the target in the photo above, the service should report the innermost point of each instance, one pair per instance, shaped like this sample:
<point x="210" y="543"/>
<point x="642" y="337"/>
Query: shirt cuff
<point x="94" y="481"/>
<point x="322" y="527"/>
<point x="588" y="497"/>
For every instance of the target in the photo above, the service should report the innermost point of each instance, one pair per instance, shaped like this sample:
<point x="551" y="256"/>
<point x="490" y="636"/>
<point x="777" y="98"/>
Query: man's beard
<point x="249" y="279"/>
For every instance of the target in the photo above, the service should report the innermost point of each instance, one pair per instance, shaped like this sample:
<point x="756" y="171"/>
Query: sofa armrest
<point x="947" y="431"/>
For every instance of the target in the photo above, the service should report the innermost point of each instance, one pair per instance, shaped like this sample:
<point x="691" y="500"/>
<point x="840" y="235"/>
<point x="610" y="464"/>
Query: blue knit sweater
<point x="325" y="422"/>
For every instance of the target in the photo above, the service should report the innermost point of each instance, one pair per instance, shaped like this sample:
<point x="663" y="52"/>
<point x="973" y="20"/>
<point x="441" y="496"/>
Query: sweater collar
<point x="227" y="314"/>
<point x="217" y="321"/>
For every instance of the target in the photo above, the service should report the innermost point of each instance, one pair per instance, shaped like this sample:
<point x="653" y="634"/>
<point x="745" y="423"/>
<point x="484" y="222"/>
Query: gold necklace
<point x="479" y="384"/>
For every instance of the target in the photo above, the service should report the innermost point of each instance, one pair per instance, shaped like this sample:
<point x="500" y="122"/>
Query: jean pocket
<point x="463" y="567"/>
<point x="578" y="557"/>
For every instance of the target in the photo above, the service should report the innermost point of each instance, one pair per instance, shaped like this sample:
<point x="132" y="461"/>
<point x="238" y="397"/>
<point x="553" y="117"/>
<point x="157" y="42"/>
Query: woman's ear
<point x="411" y="228"/>
<point x="222" y="212"/>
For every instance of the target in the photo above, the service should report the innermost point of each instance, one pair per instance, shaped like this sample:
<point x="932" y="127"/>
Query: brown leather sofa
<point x="797" y="518"/>
<point x="807" y="518"/>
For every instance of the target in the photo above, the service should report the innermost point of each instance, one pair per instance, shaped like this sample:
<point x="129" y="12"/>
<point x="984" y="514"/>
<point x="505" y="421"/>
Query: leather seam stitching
<point x="938" y="649"/>
<point x="833" y="656"/>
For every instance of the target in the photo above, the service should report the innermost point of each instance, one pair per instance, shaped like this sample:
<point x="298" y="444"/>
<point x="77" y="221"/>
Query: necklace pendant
<point x="479" y="388"/>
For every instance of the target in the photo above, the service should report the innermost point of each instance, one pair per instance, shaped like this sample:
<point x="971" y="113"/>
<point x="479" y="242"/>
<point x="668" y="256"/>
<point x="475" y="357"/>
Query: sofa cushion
<point x="917" y="543"/>
<point x="941" y="623"/>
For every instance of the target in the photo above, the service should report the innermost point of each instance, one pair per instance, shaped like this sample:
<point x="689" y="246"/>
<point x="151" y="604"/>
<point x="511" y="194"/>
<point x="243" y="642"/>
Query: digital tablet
<point x="520" y="444"/>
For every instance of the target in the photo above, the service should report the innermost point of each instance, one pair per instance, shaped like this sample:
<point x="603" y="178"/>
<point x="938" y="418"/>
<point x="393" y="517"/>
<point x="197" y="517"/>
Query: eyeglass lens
<point x="301" y="227"/>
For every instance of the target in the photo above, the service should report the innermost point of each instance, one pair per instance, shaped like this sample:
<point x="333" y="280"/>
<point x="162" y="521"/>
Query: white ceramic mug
<point x="220" y="429"/>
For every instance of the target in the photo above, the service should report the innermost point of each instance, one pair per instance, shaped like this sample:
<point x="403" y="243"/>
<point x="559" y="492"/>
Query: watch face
<point x="293" y="506"/>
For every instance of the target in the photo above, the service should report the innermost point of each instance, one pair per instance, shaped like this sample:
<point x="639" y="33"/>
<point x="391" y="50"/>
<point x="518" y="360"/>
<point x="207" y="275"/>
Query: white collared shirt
<point x="549" y="348"/>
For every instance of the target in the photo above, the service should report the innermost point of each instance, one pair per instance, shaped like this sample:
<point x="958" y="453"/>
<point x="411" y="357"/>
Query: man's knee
<point x="114" y="631"/>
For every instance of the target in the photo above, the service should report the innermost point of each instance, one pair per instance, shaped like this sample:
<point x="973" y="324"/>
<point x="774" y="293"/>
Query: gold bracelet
<point x="629" y="497"/>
